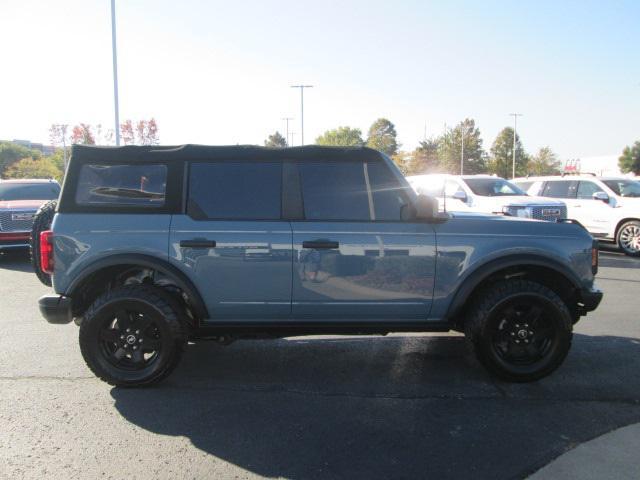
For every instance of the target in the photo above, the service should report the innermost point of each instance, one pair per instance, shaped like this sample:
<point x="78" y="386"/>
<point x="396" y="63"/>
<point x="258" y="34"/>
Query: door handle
<point x="320" y="244"/>
<point x="198" y="243"/>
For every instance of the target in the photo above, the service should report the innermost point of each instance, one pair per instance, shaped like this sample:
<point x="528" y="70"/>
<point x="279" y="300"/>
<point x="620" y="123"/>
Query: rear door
<point x="232" y="242"/>
<point x="354" y="255"/>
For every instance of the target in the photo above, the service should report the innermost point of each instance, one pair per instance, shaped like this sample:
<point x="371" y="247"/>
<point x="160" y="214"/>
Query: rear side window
<point x="235" y="190"/>
<point x="142" y="185"/>
<point x="560" y="189"/>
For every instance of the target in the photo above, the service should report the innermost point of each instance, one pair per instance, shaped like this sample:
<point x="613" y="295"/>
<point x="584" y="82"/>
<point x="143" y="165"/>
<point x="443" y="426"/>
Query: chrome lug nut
<point x="138" y="332"/>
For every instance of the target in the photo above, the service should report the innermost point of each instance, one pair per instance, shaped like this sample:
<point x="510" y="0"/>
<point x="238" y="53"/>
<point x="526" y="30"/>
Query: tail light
<point x="594" y="257"/>
<point x="46" y="251"/>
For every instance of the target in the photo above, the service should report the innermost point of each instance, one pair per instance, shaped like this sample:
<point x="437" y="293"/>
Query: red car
<point x="19" y="201"/>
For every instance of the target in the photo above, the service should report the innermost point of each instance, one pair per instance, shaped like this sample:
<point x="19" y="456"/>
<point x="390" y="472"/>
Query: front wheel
<point x="133" y="336"/>
<point x="629" y="238"/>
<point x="520" y="330"/>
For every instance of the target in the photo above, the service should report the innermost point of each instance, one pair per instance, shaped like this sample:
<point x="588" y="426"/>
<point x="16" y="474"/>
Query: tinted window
<point x="625" y="188"/>
<point x="587" y="189"/>
<point x="388" y="195"/>
<point x="139" y="185"/>
<point x="492" y="187"/>
<point x="560" y="189"/>
<point x="28" y="191"/>
<point x="235" y="190"/>
<point x="334" y="191"/>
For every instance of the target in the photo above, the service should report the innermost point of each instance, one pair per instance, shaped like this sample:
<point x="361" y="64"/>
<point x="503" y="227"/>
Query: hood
<point x="21" y="204"/>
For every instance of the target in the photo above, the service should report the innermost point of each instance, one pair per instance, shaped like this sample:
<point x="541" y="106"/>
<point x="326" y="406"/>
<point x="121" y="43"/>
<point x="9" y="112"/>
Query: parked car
<point x="608" y="207"/>
<point x="19" y="201"/>
<point x="486" y="194"/>
<point x="154" y="246"/>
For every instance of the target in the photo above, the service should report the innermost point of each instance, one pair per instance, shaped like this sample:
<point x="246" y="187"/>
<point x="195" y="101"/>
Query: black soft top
<point x="149" y="153"/>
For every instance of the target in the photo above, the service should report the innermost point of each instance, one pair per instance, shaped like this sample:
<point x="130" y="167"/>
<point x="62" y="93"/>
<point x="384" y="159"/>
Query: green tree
<point x="34" y="168"/>
<point x="545" y="162"/>
<point x="341" y="137"/>
<point x="12" y="152"/>
<point x="275" y="140"/>
<point x="403" y="162"/>
<point x="382" y="136"/>
<point x="450" y="149"/>
<point x="424" y="159"/>
<point x="501" y="161"/>
<point x="629" y="161"/>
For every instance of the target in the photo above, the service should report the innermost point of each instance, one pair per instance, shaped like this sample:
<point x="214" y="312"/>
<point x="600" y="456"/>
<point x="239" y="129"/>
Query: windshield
<point x="624" y="188"/>
<point x="492" y="187"/>
<point x="28" y="191"/>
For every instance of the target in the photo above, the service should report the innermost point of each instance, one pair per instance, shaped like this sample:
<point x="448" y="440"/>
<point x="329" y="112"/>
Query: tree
<point x="450" y="150"/>
<point x="276" y="140"/>
<point x="341" y="137"/>
<point x="145" y="132"/>
<point x="502" y="155"/>
<point x="629" y="161"/>
<point x="382" y="136"/>
<point x="424" y="159"/>
<point x="82" y="134"/>
<point x="545" y="162"/>
<point x="12" y="152"/>
<point x="403" y="162"/>
<point x="34" y="168"/>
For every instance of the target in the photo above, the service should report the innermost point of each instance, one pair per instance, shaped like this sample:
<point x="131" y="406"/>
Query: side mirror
<point x="426" y="207"/>
<point x="602" y="196"/>
<point x="460" y="195"/>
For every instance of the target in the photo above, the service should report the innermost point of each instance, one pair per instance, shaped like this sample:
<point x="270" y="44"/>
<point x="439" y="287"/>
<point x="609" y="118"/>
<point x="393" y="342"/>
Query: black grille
<point x="8" y="224"/>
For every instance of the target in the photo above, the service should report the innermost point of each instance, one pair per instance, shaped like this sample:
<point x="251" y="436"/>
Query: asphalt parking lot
<point x="402" y="406"/>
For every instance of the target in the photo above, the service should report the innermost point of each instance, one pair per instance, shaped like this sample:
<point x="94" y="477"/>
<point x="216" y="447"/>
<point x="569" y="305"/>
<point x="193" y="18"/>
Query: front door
<point x="354" y="256"/>
<point x="595" y="214"/>
<point x="232" y="242"/>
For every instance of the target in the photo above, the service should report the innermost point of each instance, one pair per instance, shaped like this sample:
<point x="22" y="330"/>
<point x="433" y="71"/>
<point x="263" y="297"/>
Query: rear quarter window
<point x="141" y="185"/>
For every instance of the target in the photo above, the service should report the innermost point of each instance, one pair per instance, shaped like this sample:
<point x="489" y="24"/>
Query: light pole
<point x="286" y="119"/>
<point x="301" y="87"/>
<point x="115" y="70"/>
<point x="461" y="148"/>
<point x="515" y="126"/>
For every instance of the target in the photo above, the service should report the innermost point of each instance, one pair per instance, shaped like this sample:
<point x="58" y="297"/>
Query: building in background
<point x="46" y="150"/>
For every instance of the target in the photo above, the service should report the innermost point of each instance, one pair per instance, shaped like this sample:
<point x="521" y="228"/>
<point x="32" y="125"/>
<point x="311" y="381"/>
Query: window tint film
<point x="560" y="189"/>
<point x="587" y="189"/>
<point x="388" y="195"/>
<point x="625" y="188"/>
<point x="334" y="191"/>
<point x="137" y="185"/>
<point x="28" y="191"/>
<point x="235" y="190"/>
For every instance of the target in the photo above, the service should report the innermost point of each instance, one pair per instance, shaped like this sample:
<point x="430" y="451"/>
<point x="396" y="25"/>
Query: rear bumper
<point x="590" y="298"/>
<point x="55" y="308"/>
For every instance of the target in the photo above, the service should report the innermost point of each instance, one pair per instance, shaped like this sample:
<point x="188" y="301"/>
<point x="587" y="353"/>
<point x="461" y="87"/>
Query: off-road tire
<point x="634" y="225"/>
<point x="41" y="222"/>
<point x="481" y="328"/>
<point x="167" y="314"/>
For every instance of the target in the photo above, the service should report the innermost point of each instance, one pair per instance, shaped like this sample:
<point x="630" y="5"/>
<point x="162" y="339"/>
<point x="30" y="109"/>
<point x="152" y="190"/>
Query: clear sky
<point x="218" y="72"/>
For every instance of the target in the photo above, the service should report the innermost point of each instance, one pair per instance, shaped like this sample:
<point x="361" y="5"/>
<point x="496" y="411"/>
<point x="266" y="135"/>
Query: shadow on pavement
<point x="17" y="260"/>
<point x="409" y="407"/>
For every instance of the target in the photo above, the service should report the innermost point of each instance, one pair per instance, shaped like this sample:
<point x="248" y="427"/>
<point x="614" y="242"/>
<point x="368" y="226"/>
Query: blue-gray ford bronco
<point x="154" y="247"/>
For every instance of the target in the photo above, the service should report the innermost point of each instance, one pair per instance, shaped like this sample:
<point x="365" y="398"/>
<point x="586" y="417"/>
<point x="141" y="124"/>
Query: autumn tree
<point x="12" y="152"/>
<point x="83" y="134"/>
<point x="383" y="137"/>
<point x="501" y="160"/>
<point x="341" y="137"/>
<point x="629" y="161"/>
<point x="424" y="159"/>
<point x="450" y="151"/>
<point x="30" y="167"/>
<point x="545" y="162"/>
<point x="276" y="141"/>
<point x="143" y="132"/>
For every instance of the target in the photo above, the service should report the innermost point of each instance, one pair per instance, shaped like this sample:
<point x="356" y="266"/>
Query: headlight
<point x="515" y="211"/>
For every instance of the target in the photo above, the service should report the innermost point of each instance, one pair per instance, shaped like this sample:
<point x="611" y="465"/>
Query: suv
<point x="487" y="194"/>
<point x="608" y="207"/>
<point x="19" y="201"/>
<point x="152" y="247"/>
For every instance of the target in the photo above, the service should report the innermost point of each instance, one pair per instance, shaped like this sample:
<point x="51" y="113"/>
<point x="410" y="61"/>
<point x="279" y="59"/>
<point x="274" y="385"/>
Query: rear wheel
<point x="41" y="222"/>
<point x="629" y="238"/>
<point x="133" y="336"/>
<point x="520" y="330"/>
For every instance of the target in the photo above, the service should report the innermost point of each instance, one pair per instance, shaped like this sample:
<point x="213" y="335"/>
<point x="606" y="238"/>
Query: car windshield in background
<point x="624" y="188"/>
<point x="492" y="187"/>
<point x="28" y="191"/>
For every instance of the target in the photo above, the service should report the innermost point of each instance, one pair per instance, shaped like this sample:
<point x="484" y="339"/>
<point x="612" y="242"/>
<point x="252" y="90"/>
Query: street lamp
<point x="115" y="70"/>
<point x="286" y="119"/>
<point x="301" y="87"/>
<point x="515" y="125"/>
